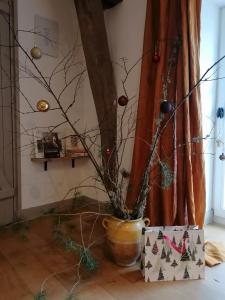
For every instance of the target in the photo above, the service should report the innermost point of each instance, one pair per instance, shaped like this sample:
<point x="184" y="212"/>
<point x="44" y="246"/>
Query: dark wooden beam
<point x="101" y="76"/>
<point x="107" y="4"/>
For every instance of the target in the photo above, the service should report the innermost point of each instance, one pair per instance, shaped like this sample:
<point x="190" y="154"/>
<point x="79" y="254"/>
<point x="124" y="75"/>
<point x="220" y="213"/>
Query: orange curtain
<point x="184" y="201"/>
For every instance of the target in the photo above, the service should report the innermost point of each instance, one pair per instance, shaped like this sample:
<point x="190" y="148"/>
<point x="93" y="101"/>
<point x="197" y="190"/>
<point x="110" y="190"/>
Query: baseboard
<point x="83" y="203"/>
<point x="209" y="217"/>
<point x="219" y="220"/>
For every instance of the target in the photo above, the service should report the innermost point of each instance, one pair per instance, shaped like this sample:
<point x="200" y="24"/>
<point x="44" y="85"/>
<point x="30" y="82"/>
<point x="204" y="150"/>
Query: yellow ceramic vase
<point x="124" y="239"/>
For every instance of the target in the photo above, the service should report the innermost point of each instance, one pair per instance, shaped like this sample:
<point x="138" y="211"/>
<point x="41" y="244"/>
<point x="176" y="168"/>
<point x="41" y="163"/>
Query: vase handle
<point x="146" y="221"/>
<point x="105" y="223"/>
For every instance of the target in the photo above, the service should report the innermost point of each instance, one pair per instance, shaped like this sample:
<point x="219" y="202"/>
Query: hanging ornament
<point x="36" y="52"/>
<point x="156" y="56"/>
<point x="165" y="107"/>
<point x="42" y="105"/>
<point x="222" y="156"/>
<point x="108" y="152"/>
<point x="123" y="100"/>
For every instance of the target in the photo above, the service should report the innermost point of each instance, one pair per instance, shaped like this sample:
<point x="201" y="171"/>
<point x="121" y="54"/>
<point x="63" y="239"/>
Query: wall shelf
<point x="46" y="160"/>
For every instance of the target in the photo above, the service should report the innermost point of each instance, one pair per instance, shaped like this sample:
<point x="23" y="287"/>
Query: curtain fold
<point x="169" y="22"/>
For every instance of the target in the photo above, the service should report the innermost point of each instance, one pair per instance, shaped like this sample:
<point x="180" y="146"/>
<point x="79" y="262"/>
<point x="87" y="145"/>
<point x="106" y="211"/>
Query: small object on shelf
<point x="42" y="105"/>
<point x="52" y="145"/>
<point x="72" y="145"/>
<point x="123" y="100"/>
<point x="36" y="52"/>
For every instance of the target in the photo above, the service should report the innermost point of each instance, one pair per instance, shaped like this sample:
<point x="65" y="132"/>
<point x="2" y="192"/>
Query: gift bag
<point x="172" y="253"/>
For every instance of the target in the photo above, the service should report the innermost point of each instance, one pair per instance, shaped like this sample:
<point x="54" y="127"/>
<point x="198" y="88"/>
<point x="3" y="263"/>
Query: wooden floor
<point x="24" y="264"/>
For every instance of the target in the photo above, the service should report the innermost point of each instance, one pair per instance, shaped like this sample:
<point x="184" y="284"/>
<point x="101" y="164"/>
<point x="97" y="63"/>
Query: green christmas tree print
<point x="198" y="240"/>
<point x="168" y="257"/>
<point x="189" y="250"/>
<point x="148" y="265"/>
<point x="143" y="250"/>
<point x="163" y="255"/>
<point x="185" y="256"/>
<point x="161" y="276"/>
<point x="148" y="242"/>
<point x="180" y="245"/>
<point x="174" y="240"/>
<point x="193" y="256"/>
<point x="160" y="235"/>
<point x="186" y="235"/>
<point x="186" y="274"/>
<point x="199" y="262"/>
<point x="174" y="264"/>
<point x="155" y="249"/>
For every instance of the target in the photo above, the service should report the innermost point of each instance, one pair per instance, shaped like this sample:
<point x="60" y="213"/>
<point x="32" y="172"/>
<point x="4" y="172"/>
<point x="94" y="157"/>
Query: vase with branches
<point x="110" y="175"/>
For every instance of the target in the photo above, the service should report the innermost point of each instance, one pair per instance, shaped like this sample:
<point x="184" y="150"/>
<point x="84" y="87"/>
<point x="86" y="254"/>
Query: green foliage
<point x="167" y="175"/>
<point x="71" y="296"/>
<point x="21" y="227"/>
<point x="41" y="296"/>
<point x="87" y="259"/>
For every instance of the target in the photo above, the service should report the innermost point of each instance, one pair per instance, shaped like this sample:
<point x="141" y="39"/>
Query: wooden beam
<point x="107" y="4"/>
<point x="100" y="71"/>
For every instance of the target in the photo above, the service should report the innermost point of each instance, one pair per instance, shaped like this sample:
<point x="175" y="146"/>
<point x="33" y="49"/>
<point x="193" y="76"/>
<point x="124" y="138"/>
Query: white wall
<point x="125" y="27"/>
<point x="210" y="22"/>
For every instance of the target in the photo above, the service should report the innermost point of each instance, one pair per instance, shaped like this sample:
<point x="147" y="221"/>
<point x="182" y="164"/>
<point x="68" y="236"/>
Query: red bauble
<point x="108" y="152"/>
<point x="156" y="58"/>
<point x="123" y="100"/>
<point x="165" y="107"/>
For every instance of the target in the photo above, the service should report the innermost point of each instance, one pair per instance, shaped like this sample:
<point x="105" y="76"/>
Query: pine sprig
<point x="42" y="295"/>
<point x="71" y="296"/>
<point x="167" y="175"/>
<point x="86" y="258"/>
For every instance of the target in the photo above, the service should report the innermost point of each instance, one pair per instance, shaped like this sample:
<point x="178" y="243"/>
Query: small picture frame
<point x="47" y="145"/>
<point x="72" y="145"/>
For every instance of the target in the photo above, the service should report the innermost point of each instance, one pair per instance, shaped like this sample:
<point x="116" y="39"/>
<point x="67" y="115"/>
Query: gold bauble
<point x="42" y="105"/>
<point x="36" y="52"/>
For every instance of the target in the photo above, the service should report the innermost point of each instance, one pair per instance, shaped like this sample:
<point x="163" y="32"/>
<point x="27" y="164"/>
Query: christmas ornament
<point x="222" y="156"/>
<point x="123" y="100"/>
<point x="165" y="107"/>
<point x="36" y="52"/>
<point x="156" y="58"/>
<point x="108" y="152"/>
<point x="42" y="105"/>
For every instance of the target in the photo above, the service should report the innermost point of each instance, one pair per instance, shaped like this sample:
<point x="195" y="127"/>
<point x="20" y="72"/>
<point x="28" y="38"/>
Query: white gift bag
<point x="172" y="253"/>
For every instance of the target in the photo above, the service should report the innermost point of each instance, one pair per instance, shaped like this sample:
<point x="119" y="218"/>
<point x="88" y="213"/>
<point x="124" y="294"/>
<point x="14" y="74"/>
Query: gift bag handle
<point x="181" y="249"/>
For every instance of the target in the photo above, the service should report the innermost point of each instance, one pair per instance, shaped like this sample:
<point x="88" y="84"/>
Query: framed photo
<point x="47" y="145"/>
<point x="72" y="145"/>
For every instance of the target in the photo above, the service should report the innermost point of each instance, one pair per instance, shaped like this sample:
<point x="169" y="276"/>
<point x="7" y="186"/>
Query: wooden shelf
<point x="46" y="160"/>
